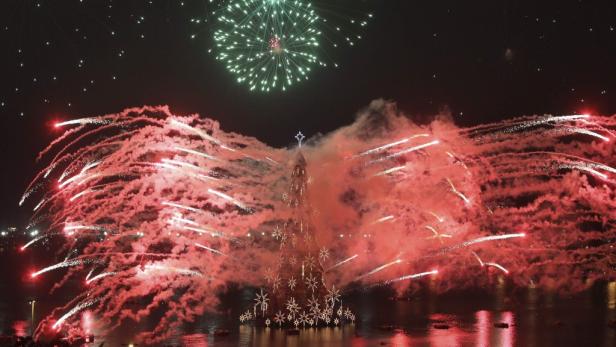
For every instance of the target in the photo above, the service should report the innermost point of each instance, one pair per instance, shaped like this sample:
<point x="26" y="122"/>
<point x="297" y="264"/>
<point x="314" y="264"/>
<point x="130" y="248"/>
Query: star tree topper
<point x="300" y="137"/>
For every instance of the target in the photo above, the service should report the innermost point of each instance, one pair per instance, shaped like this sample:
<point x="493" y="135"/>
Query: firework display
<point x="162" y="210"/>
<point x="272" y="44"/>
<point x="268" y="44"/>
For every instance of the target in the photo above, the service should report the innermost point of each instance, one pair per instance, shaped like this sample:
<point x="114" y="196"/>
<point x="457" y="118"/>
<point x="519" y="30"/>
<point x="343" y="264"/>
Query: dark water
<point x="533" y="318"/>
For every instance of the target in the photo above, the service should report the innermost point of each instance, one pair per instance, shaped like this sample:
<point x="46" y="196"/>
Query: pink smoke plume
<point x="166" y="210"/>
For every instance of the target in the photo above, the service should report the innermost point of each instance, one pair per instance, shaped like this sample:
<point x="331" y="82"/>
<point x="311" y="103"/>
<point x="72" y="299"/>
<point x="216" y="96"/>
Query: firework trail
<point x="413" y="276"/>
<point x="171" y="209"/>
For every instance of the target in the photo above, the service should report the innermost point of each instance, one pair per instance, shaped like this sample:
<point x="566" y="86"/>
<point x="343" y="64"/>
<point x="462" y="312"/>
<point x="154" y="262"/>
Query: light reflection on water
<point x="611" y="295"/>
<point x="477" y="330"/>
<point x="534" y="318"/>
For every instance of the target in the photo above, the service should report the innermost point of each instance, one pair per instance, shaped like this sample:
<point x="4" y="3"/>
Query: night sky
<point x="483" y="60"/>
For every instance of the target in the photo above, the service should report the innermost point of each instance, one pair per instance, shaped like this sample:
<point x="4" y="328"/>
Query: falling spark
<point x="58" y="324"/>
<point x="601" y="166"/>
<point x="478" y="259"/>
<point x="451" y="155"/>
<point x="50" y="169"/>
<point x="545" y="120"/>
<point x="186" y="172"/>
<point x="77" y="176"/>
<point x="67" y="263"/>
<point x="439" y="218"/>
<point x="406" y="151"/>
<point x="388" y="171"/>
<point x="589" y="132"/>
<point x="70" y="229"/>
<point x="156" y="267"/>
<point x="413" y="276"/>
<point x="200" y="133"/>
<point x="437" y="235"/>
<point x="342" y="262"/>
<point x="583" y="167"/>
<point x="228" y="198"/>
<point x="393" y="144"/>
<point x="192" y="151"/>
<point x="455" y="191"/>
<point x="83" y="121"/>
<point x="183" y="220"/>
<point x="384" y="219"/>
<point x="184" y="207"/>
<point x="90" y="273"/>
<point x="182" y="163"/>
<point x="209" y="249"/>
<point x="33" y="241"/>
<point x="99" y="276"/>
<point x="498" y="266"/>
<point x="482" y="239"/>
<point x="272" y="160"/>
<point x="39" y="205"/>
<point x="380" y="268"/>
<point x="202" y="231"/>
<point x="82" y="193"/>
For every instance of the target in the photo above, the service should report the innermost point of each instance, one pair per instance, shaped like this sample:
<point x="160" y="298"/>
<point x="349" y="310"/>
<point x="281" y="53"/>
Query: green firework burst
<point x="268" y="44"/>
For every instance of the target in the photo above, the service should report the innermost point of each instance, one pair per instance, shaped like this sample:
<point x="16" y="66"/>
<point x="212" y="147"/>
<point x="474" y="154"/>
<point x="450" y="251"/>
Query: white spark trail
<point x="39" y="205"/>
<point x="408" y="150"/>
<point x="202" y="231"/>
<point x="82" y="121"/>
<point x="384" y="219"/>
<point x="412" y="276"/>
<point x="90" y="273"/>
<point x="583" y="167"/>
<point x="478" y="259"/>
<point x="388" y="171"/>
<point x="182" y="163"/>
<point x="73" y="311"/>
<point x="184" y="207"/>
<point x="436" y="234"/>
<point x="272" y="160"/>
<point x="201" y="133"/>
<point x="209" y="249"/>
<point x="82" y="193"/>
<point x="183" y="220"/>
<point x="493" y="238"/>
<point x="99" y="276"/>
<point x="455" y="191"/>
<point x="390" y="145"/>
<point x="439" y="218"/>
<point x="589" y="133"/>
<point x="198" y="153"/>
<point x="228" y="198"/>
<point x="498" y="266"/>
<point x="380" y="268"/>
<point x="67" y="263"/>
<point x="545" y="120"/>
<point x="70" y="229"/>
<point x="77" y="176"/>
<point x="342" y="262"/>
<point x="33" y="241"/>
<point x="188" y="173"/>
<point x="188" y="272"/>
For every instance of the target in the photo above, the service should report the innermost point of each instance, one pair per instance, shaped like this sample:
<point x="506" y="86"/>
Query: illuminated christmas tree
<point x="298" y="294"/>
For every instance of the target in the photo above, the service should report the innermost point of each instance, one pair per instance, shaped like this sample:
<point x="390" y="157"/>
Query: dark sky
<point x="485" y="60"/>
